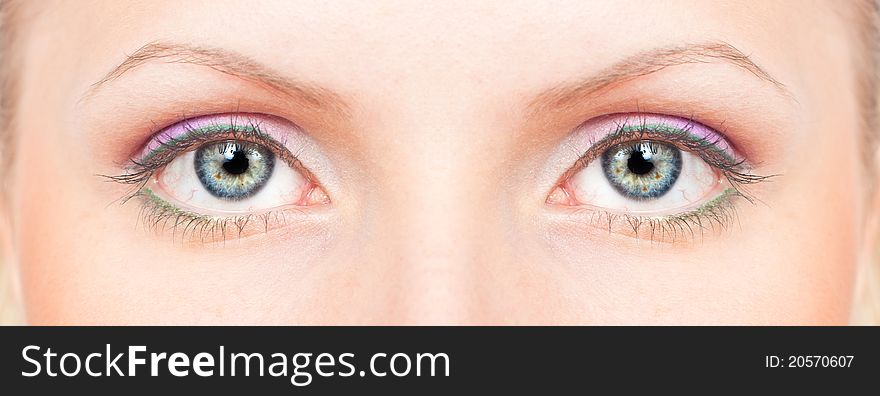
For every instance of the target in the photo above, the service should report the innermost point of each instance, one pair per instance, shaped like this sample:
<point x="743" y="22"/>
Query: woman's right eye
<point x="223" y="168"/>
<point x="234" y="177"/>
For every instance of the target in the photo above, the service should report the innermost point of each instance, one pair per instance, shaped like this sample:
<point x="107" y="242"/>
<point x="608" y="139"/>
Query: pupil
<point x="638" y="164"/>
<point x="238" y="164"/>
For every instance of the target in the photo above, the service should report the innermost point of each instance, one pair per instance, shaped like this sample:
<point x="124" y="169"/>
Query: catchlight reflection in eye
<point x="651" y="165"/>
<point x="215" y="173"/>
<point x="234" y="170"/>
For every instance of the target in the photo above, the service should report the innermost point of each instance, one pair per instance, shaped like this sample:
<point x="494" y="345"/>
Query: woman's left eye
<point x="652" y="166"/>
<point x="641" y="176"/>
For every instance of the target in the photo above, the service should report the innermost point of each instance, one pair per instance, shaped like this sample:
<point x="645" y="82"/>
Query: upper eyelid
<point x="168" y="143"/>
<point x="170" y="151"/>
<point x="252" y="131"/>
<point x="286" y="145"/>
<point x="733" y="166"/>
<point x="158" y="141"/>
<point x="675" y="138"/>
<point x="653" y="126"/>
<point x="270" y="130"/>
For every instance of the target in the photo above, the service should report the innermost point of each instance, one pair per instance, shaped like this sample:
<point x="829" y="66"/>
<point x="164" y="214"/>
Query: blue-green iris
<point x="642" y="170"/>
<point x="233" y="170"/>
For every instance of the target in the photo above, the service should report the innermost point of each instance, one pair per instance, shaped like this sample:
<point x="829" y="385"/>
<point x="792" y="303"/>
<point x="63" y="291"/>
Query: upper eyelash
<point x="713" y="215"/>
<point x="140" y="170"/>
<point x="158" y="214"/>
<point x="736" y="171"/>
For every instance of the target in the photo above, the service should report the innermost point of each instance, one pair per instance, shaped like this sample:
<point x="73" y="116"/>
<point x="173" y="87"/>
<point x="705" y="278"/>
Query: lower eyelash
<point x="160" y="216"/>
<point x="713" y="216"/>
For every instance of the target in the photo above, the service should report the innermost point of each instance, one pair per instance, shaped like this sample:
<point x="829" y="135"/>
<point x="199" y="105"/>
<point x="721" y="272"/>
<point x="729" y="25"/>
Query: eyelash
<point x="720" y="212"/>
<point x="159" y="215"/>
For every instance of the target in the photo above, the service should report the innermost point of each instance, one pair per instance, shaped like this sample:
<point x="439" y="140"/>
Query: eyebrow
<point x="227" y="62"/>
<point x="652" y="61"/>
<point x="638" y="65"/>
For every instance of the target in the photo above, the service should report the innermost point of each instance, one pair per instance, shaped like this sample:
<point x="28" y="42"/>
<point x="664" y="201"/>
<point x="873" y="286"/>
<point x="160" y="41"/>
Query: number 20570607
<point x="805" y="361"/>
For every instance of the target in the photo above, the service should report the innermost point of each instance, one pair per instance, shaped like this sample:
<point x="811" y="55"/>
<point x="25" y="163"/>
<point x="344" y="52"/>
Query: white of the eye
<point x="179" y="180"/>
<point x="695" y="184"/>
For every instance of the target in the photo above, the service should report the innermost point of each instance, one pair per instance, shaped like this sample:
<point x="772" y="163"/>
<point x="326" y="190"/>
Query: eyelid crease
<point x="712" y="216"/>
<point x="158" y="215"/>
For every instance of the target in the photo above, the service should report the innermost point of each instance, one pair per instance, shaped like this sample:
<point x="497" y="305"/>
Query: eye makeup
<point x="204" y="176"/>
<point x="653" y="176"/>
<point x="270" y="130"/>
<point x="601" y="133"/>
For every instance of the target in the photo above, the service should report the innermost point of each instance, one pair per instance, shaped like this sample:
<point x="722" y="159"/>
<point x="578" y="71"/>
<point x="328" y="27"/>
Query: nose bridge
<point x="433" y="216"/>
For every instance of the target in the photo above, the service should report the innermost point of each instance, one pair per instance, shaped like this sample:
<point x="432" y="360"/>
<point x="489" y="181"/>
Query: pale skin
<point x="437" y="147"/>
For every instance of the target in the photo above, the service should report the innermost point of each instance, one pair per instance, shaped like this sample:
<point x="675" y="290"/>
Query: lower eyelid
<point x="161" y="211"/>
<point x="710" y="218"/>
<point x="163" y="217"/>
<point x="709" y="214"/>
<point x="672" y="203"/>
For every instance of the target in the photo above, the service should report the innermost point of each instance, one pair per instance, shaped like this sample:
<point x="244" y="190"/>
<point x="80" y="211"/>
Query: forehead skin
<point x="439" y="39"/>
<point x="443" y="88"/>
